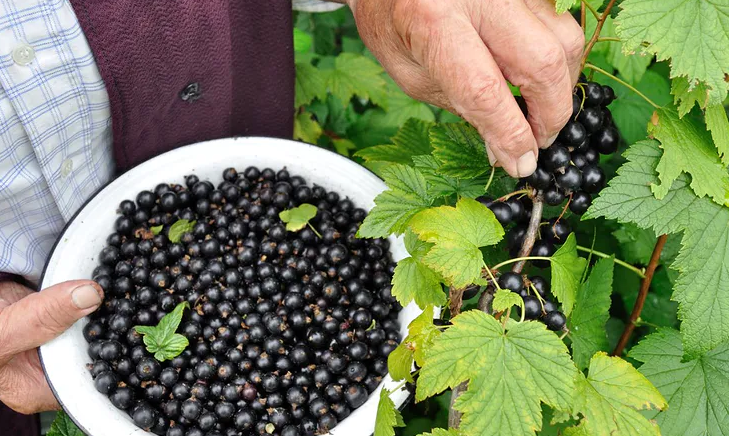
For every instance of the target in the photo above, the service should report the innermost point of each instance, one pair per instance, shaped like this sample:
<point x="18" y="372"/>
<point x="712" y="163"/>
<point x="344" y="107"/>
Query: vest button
<point x="190" y="92"/>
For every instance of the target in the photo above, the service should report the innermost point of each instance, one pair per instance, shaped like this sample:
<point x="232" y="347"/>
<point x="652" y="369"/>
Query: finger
<point x="457" y="59"/>
<point x="566" y="29"/>
<point x="532" y="58"/>
<point x="41" y="316"/>
<point x="23" y="385"/>
<point x="10" y="292"/>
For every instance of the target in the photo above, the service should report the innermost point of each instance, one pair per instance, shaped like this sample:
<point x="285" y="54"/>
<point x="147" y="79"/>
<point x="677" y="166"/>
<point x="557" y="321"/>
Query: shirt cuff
<point x="315" y="6"/>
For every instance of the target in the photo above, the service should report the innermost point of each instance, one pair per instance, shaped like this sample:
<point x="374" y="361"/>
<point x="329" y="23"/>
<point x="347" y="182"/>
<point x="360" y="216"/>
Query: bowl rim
<point x="407" y="400"/>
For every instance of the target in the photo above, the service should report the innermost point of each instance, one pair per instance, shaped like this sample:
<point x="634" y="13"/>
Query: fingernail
<point x="551" y="140"/>
<point x="526" y="164"/>
<point x="85" y="297"/>
<point x="492" y="158"/>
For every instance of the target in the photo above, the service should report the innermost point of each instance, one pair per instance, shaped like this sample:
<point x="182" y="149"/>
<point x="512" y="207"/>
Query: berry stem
<point x="622" y="263"/>
<point x="491" y="179"/>
<point x="314" y="230"/>
<point x="596" y="34"/>
<point x="592" y="9"/>
<point x="582" y="16"/>
<point x="624" y="83"/>
<point x="608" y="39"/>
<point x="512" y="194"/>
<point x="642" y="294"/>
<point x="531" y="233"/>
<point x="519" y="259"/>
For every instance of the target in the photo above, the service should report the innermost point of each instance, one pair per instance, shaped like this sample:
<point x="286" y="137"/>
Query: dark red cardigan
<point x="183" y="71"/>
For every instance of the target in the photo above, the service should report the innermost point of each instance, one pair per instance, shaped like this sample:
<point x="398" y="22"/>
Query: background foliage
<point x="667" y="61"/>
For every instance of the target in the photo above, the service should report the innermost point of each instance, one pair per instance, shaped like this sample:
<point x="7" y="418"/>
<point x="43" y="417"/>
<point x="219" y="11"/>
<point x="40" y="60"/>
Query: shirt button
<point x="23" y="54"/>
<point x="66" y="168"/>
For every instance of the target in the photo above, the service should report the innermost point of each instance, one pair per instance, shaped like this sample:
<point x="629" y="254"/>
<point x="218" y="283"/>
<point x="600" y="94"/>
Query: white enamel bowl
<point x="74" y="257"/>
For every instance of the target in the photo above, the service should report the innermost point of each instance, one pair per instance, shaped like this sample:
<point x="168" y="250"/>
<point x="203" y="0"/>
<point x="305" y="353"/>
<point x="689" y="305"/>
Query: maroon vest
<point x="183" y="71"/>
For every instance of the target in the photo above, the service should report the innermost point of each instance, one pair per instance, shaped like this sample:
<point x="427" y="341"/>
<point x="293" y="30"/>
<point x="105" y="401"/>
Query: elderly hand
<point x="458" y="54"/>
<point x="27" y="320"/>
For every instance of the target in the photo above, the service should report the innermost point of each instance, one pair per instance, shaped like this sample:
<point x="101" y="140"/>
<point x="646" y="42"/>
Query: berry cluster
<point x="288" y="332"/>
<point x="567" y="170"/>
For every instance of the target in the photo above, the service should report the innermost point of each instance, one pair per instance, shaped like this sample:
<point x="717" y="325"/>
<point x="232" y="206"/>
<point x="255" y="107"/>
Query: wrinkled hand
<point x="458" y="54"/>
<point x="27" y="320"/>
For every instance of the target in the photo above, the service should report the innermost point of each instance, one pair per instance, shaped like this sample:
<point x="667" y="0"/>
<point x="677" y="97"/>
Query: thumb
<point x="42" y="316"/>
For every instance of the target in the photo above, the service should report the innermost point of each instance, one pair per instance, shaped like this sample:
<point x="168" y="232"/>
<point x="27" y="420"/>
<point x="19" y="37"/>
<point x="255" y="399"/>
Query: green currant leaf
<point x="687" y="94"/>
<point x="631" y="65"/>
<point x="445" y="186"/>
<point x="388" y="417"/>
<point x="395" y="207"/>
<point x="400" y="363"/>
<point x="401" y="107"/>
<point x="343" y="146"/>
<point x="179" y="228"/>
<point x="355" y="74"/>
<point x="611" y="397"/>
<point x="459" y="149"/>
<point x="296" y="218"/>
<point x="457" y="234"/>
<point x="587" y="323"/>
<point x="415" y="281"/>
<point x="567" y="268"/>
<point x="701" y="289"/>
<point x="306" y="128"/>
<point x="302" y="41"/>
<point x="421" y="334"/>
<point x="411" y="140"/>
<point x="310" y="84"/>
<point x="161" y="340"/>
<point x="63" y="426"/>
<point x="415" y="246"/>
<point x="697" y="391"/>
<point x="509" y="372"/>
<point x="156" y="229"/>
<point x="504" y="299"/>
<point x="694" y="34"/>
<point x="687" y="148"/>
<point x="718" y="125"/>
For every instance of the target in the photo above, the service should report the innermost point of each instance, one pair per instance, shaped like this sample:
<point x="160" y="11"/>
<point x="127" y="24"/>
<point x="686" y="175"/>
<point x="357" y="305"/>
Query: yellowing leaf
<point x="510" y="372"/>
<point x="611" y="396"/>
<point x="687" y="148"/>
<point x="297" y="217"/>
<point x="457" y="234"/>
<point x="504" y="299"/>
<point x="306" y="128"/>
<point x="415" y="281"/>
<point x="400" y="363"/>
<point x="567" y="268"/>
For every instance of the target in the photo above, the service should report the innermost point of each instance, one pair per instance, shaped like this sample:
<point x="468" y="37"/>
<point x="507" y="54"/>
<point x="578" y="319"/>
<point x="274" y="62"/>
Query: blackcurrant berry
<point x="580" y="202"/>
<point x="555" y="320"/>
<point x="605" y="140"/>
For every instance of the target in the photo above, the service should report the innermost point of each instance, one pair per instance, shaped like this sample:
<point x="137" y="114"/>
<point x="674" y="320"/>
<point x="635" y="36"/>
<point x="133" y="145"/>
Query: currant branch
<point x="642" y="294"/>
<point x="596" y="34"/>
<point x="531" y="233"/>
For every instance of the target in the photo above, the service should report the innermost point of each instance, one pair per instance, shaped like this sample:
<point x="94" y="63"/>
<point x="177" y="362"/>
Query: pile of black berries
<point x="567" y="171"/>
<point x="289" y="331"/>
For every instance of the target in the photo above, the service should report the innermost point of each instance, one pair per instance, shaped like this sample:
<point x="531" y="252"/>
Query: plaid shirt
<point x="55" y="127"/>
